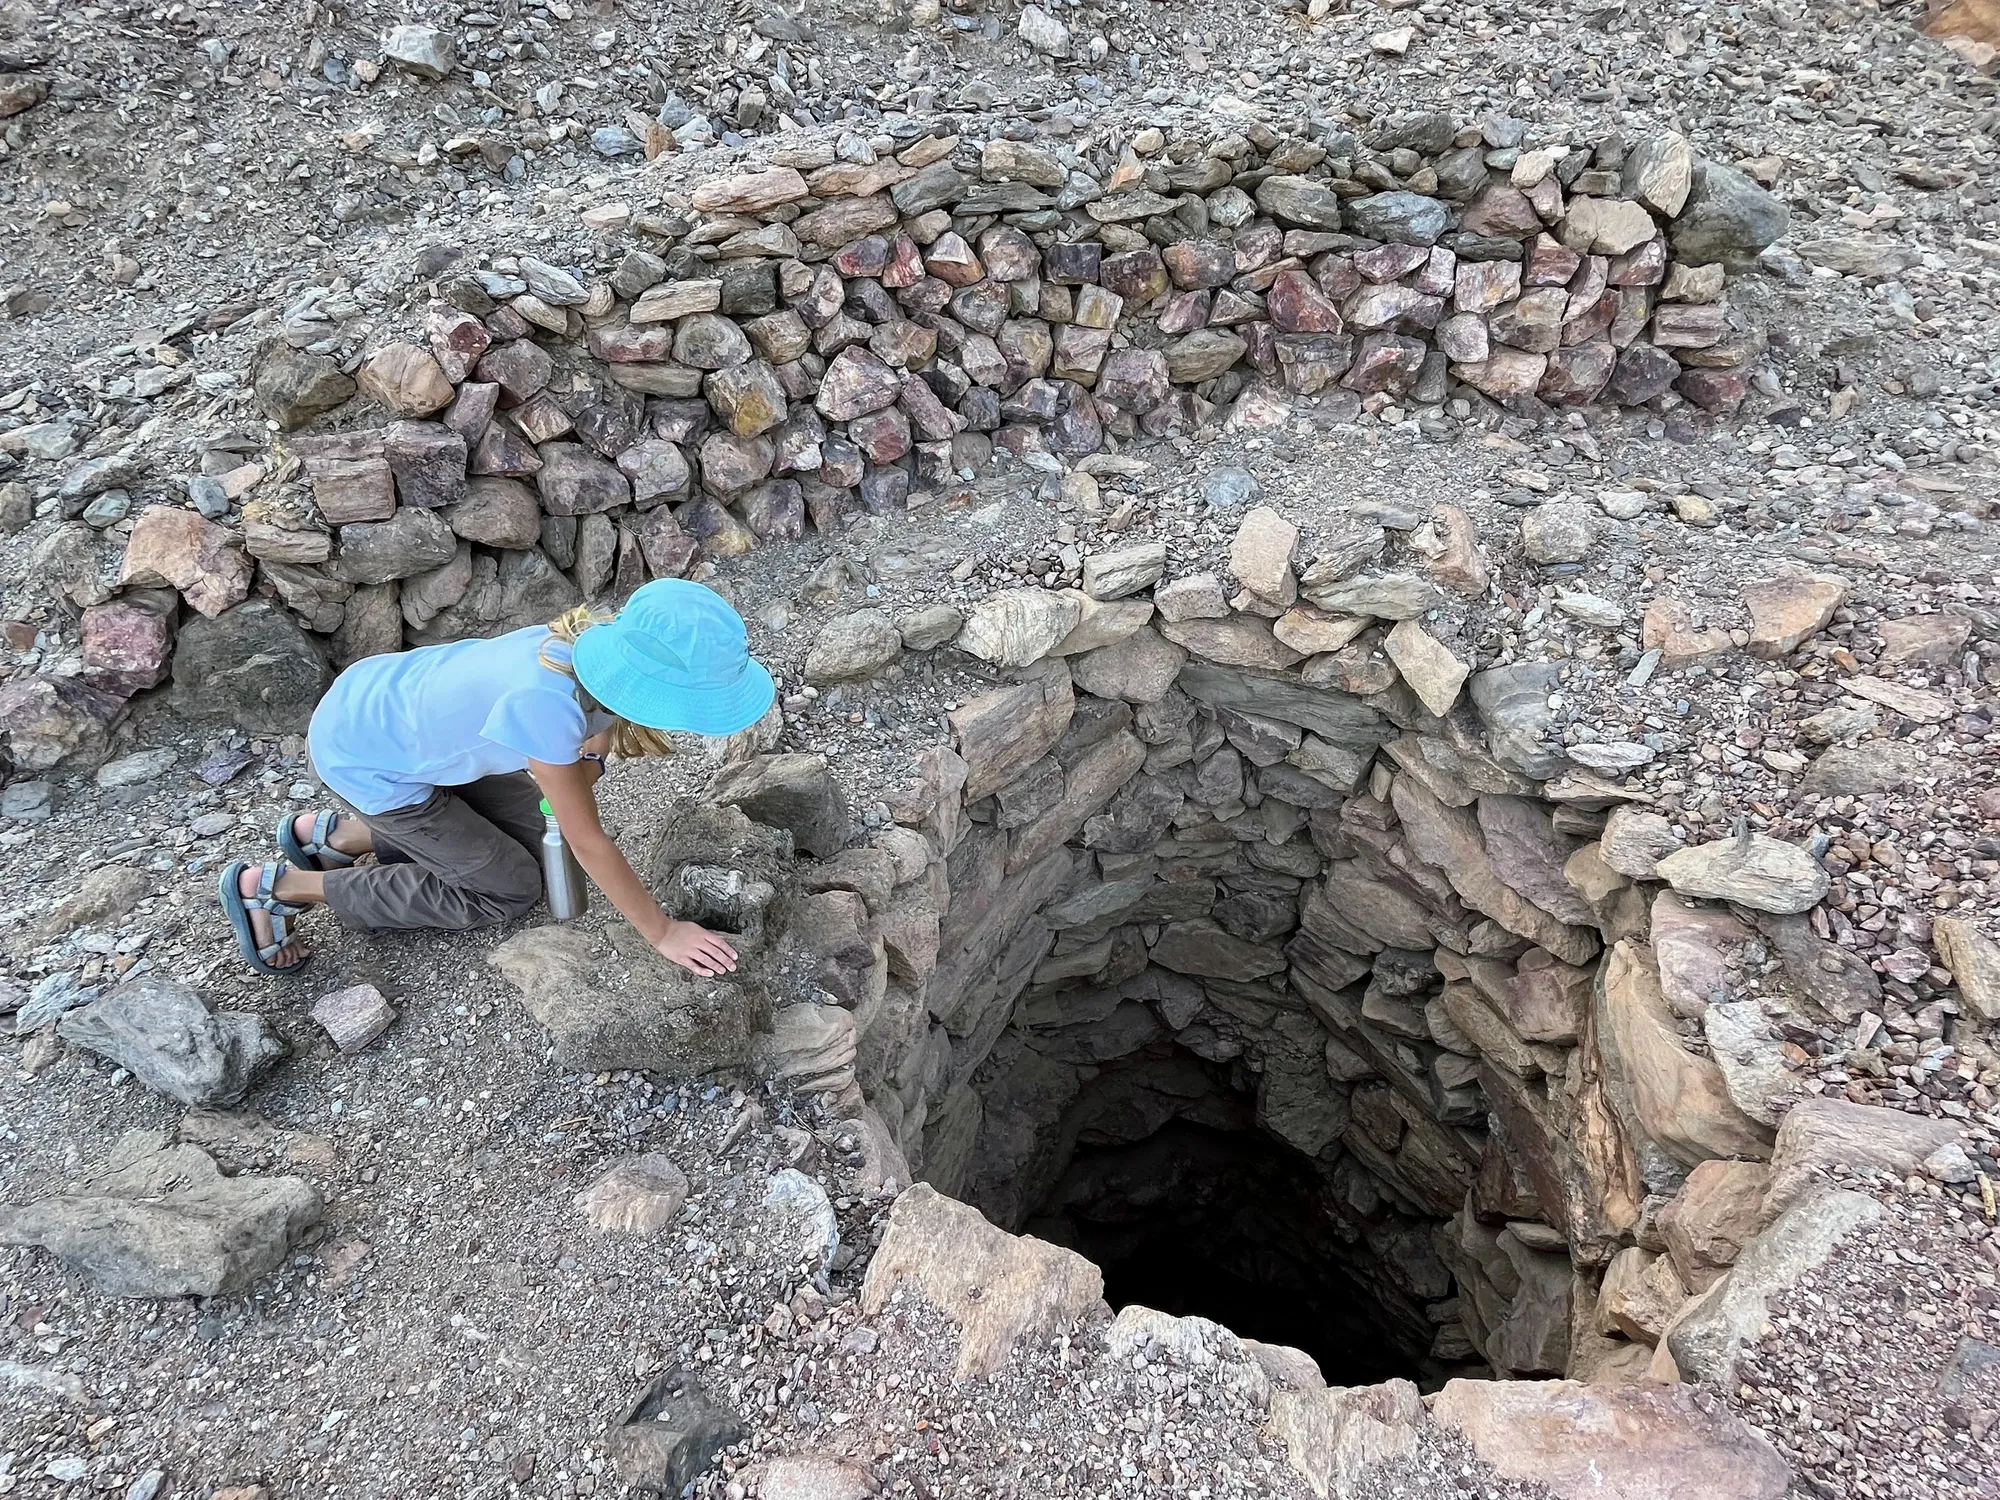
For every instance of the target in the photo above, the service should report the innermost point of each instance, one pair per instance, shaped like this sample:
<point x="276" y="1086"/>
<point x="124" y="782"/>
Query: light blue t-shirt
<point x="394" y="728"/>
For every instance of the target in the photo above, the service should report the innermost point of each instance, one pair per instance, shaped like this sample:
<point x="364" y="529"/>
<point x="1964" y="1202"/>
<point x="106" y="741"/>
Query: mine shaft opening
<point x="1214" y="1217"/>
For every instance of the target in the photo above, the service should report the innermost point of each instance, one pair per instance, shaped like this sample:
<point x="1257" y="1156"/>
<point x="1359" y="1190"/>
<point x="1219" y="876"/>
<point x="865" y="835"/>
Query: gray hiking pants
<point x="466" y="856"/>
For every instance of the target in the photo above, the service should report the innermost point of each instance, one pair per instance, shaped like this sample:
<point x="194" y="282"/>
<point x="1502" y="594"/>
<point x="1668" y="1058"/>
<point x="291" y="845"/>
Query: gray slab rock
<point x="1707" y="1340"/>
<point x="793" y="792"/>
<point x="165" y="1034"/>
<point x="671" y="1433"/>
<point x="162" y="1221"/>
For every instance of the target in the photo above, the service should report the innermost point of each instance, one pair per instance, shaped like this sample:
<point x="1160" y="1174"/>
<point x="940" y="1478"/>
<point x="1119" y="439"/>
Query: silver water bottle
<point x="562" y="876"/>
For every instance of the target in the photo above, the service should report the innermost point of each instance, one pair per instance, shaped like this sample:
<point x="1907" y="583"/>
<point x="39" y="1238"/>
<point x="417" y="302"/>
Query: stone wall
<point x="1175" y="869"/>
<point x="823" y="337"/>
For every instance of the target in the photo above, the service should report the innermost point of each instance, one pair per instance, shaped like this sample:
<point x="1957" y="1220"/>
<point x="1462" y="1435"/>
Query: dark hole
<point x="1236" y="1226"/>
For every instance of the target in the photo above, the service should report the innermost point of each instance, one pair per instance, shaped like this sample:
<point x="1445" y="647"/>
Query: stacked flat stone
<point x="822" y="337"/>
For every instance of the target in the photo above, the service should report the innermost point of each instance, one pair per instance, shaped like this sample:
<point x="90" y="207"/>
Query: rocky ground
<point x="181" y="181"/>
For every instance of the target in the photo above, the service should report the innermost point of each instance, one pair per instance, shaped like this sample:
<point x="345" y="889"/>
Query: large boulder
<point x="251" y="668"/>
<point x="170" y="1041"/>
<point x="1818" y="1134"/>
<point x="1660" y="1090"/>
<point x="161" y="1221"/>
<point x="45" y="721"/>
<point x="626" y="1007"/>
<point x="1708" y="1337"/>
<point x="1625" y="1442"/>
<point x="1333" y="1437"/>
<point x="996" y="1286"/>
<point x="794" y="792"/>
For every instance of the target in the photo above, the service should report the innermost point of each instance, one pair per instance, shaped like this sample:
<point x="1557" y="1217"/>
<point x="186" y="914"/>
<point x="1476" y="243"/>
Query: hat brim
<point x="706" y="711"/>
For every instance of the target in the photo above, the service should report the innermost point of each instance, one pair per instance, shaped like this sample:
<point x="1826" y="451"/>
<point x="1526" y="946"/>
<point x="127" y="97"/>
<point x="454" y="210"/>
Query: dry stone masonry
<point x="837" y="333"/>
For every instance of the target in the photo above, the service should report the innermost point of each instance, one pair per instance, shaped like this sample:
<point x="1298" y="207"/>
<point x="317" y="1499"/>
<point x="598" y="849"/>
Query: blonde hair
<point x="628" y="740"/>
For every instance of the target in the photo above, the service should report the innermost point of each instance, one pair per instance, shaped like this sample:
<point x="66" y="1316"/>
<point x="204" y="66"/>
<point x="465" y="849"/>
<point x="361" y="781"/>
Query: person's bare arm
<point x="571" y="797"/>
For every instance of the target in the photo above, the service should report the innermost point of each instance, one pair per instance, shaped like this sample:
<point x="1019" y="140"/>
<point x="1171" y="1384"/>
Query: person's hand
<point x="697" y="949"/>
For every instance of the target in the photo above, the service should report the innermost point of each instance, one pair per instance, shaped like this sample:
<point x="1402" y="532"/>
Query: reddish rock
<point x="1296" y="305"/>
<point x="1133" y="380"/>
<point x="519" y="367"/>
<point x="1390" y="262"/>
<point x="1393" y="307"/>
<point x="1386" y="362"/>
<point x="178" y="548"/>
<point x="856" y="383"/>
<point x="1008" y="254"/>
<point x="1716" y="390"/>
<point x="502" y="451"/>
<point x="906" y="263"/>
<point x="128" y="643"/>
<point x="1550" y="262"/>
<point x="1136" y="275"/>
<point x="1642" y="373"/>
<point x="1532" y="321"/>
<point x="541" y="418"/>
<point x="457" y="340"/>
<point x="472" y="409"/>
<point x="952" y="261"/>
<point x="1502" y="212"/>
<point x="1438" y="276"/>
<point x="931" y="419"/>
<point x="1261" y="347"/>
<point x="867" y="256"/>
<point x="731" y="464"/>
<point x="1684" y="325"/>
<point x="1576" y="374"/>
<point x="1482" y="285"/>
<point x="882" y="436"/>
<point x="633" y="343"/>
<point x="1337" y="277"/>
<point x="1200" y="264"/>
<point x="1505" y="374"/>
<point x="1643" y="265"/>
<point x="1184" y="312"/>
<point x="775" y="510"/>
<point x="1594" y="322"/>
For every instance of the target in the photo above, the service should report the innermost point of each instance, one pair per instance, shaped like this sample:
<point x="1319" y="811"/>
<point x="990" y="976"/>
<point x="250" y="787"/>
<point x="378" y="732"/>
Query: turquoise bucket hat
<point x="676" y="657"/>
